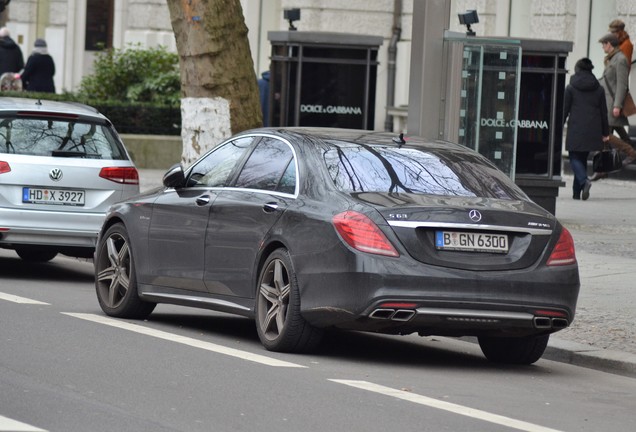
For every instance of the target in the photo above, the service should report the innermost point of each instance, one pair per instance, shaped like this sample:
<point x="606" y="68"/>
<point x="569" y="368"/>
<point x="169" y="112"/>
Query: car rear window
<point x="63" y="138"/>
<point x="358" y="167"/>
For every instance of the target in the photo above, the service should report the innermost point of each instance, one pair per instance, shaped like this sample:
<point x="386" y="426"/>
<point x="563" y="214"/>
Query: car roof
<point x="15" y="105"/>
<point x="360" y="135"/>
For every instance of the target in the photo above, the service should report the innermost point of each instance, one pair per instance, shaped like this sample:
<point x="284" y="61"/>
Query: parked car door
<point x="180" y="218"/>
<point x="243" y="214"/>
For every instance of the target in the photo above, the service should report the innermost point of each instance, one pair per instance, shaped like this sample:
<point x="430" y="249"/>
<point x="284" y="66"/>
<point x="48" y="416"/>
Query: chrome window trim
<point x="468" y="226"/>
<point x="261" y="135"/>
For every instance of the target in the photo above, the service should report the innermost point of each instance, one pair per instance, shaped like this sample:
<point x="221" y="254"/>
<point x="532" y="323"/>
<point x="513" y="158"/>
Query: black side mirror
<point x="174" y="177"/>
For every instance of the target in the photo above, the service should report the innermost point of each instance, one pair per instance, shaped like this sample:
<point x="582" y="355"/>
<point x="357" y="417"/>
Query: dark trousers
<point x="578" y="162"/>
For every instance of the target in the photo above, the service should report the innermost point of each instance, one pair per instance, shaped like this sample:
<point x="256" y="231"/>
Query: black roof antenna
<point x="400" y="140"/>
<point x="39" y="102"/>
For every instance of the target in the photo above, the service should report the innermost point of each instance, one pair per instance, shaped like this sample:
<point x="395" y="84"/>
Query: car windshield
<point x="61" y="138"/>
<point x="356" y="167"/>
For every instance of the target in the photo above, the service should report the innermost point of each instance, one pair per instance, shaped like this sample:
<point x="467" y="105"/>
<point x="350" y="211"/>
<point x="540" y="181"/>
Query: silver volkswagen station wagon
<point x="62" y="165"/>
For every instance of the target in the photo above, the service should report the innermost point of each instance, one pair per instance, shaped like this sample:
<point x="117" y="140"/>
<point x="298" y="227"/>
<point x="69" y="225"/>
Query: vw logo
<point x="474" y="215"/>
<point x="55" y="174"/>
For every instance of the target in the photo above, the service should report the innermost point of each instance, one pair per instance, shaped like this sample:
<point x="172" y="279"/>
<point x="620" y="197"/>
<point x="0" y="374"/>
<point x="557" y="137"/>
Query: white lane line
<point x="8" y="425"/>
<point x="446" y="406"/>
<point x="220" y="349"/>
<point x="16" y="299"/>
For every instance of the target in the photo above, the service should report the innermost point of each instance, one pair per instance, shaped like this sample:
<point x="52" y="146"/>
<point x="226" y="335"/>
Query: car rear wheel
<point x="519" y="350"/>
<point x="279" y="323"/>
<point x="115" y="279"/>
<point x="33" y="254"/>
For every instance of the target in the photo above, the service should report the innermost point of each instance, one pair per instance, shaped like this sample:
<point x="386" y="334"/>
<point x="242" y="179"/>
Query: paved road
<point x="603" y="334"/>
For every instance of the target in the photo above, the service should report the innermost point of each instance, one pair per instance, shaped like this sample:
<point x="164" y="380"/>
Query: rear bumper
<point x="355" y="292"/>
<point x="49" y="228"/>
<point x="21" y="236"/>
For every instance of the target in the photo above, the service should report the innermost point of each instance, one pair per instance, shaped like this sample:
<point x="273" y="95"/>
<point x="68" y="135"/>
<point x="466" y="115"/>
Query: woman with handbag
<point x="585" y="113"/>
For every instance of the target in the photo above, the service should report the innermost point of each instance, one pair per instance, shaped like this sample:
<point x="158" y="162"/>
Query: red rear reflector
<point x="359" y="232"/>
<point x="551" y="313"/>
<point x="4" y="167"/>
<point x="124" y="175"/>
<point x="563" y="253"/>
<point x="399" y="305"/>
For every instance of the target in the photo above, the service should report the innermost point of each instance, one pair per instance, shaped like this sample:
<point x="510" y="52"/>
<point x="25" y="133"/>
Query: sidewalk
<point x="603" y="335"/>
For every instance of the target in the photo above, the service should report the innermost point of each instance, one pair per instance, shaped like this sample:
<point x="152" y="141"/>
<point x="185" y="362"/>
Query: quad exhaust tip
<point x="550" y="323"/>
<point x="393" y="314"/>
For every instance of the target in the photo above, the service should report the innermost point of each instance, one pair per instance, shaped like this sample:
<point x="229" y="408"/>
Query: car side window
<point x="270" y="167"/>
<point x="215" y="168"/>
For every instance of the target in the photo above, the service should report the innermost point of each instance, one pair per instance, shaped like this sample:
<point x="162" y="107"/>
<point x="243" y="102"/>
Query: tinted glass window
<point x="58" y="138"/>
<point x="366" y="168"/>
<point x="270" y="167"/>
<point x="215" y="168"/>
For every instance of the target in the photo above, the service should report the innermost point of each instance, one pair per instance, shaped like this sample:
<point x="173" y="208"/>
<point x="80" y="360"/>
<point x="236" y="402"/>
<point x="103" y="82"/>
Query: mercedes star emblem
<point x="474" y="215"/>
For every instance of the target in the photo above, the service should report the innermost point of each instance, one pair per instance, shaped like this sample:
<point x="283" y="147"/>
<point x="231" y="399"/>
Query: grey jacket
<point x="615" y="81"/>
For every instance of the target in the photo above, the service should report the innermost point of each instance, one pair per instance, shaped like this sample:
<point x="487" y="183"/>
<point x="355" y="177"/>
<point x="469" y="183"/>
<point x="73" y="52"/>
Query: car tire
<point x="279" y="323"/>
<point x="33" y="254"/>
<point x="115" y="278"/>
<point x="519" y="350"/>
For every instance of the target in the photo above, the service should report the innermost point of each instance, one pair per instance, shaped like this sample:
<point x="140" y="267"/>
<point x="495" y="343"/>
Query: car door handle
<point x="270" y="207"/>
<point x="203" y="200"/>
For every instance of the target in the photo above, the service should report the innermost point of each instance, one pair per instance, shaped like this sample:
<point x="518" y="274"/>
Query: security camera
<point x="291" y="15"/>
<point x="467" y="18"/>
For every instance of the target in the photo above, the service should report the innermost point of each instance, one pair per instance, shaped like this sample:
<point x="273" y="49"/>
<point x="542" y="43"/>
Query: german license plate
<point x="471" y="241"/>
<point x="53" y="196"/>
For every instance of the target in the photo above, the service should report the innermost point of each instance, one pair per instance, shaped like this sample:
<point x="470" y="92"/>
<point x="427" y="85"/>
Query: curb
<point x="587" y="356"/>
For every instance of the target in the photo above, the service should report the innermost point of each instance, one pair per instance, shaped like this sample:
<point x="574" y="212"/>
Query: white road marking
<point x="446" y="406"/>
<point x="220" y="349"/>
<point x="16" y="299"/>
<point x="8" y="425"/>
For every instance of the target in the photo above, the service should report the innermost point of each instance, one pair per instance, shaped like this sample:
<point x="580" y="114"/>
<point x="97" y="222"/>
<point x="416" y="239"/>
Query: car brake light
<point x="563" y="253"/>
<point x="359" y="232"/>
<point x="4" y="167"/>
<point x="125" y="175"/>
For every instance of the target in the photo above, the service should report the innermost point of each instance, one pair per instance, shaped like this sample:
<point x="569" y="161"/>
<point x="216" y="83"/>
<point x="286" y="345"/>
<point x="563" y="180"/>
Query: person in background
<point x="11" y="59"/>
<point x="39" y="70"/>
<point x="263" y="90"/>
<point x="585" y="112"/>
<point x="615" y="82"/>
<point x="617" y="28"/>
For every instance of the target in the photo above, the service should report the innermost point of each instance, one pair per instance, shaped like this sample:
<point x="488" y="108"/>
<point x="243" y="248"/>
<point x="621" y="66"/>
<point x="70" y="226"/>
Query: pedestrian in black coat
<point x="587" y="124"/>
<point x="39" y="70"/>
<point x="11" y="59"/>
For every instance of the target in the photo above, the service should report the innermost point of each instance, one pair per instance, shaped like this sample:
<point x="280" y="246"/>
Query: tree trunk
<point x="218" y="83"/>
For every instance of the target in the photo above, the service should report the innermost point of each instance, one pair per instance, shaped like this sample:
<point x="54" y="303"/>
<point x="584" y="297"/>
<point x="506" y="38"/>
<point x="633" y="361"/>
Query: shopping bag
<point x="629" y="108"/>
<point x="607" y="160"/>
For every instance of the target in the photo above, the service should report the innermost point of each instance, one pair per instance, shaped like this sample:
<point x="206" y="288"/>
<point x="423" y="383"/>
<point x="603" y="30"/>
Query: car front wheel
<point x="279" y="323"/>
<point x="115" y="279"/>
<point x="519" y="350"/>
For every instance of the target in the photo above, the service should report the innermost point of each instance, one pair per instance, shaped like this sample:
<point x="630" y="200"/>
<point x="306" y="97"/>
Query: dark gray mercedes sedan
<point x="305" y="229"/>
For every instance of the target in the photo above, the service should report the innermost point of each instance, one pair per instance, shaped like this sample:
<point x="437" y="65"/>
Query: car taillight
<point x="359" y="232"/>
<point x="563" y="253"/>
<point x="4" y="167"/>
<point x="125" y="175"/>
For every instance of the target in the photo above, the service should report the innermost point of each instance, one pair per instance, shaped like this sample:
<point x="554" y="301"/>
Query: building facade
<point x="76" y="29"/>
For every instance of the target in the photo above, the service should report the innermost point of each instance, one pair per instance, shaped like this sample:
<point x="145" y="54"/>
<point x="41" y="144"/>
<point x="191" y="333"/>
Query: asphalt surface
<point x="603" y="334"/>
